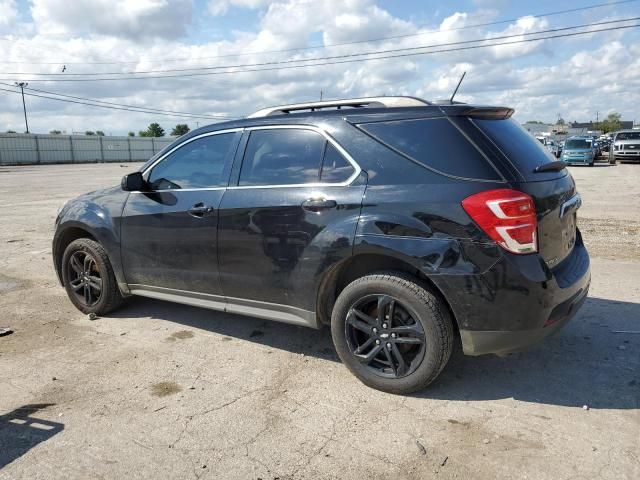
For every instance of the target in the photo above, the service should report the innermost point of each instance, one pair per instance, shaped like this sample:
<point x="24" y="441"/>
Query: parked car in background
<point x="579" y="151"/>
<point x="626" y="146"/>
<point x="597" y="146"/>
<point x="551" y="145"/>
<point x="398" y="223"/>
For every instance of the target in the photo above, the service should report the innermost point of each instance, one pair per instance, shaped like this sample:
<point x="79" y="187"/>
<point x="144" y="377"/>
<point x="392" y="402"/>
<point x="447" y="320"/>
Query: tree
<point x="180" y="129"/>
<point x="611" y="123"/>
<point x="11" y="131"/>
<point x="132" y="134"/>
<point x="154" y="130"/>
<point x="55" y="132"/>
<point x="100" y="133"/>
<point x="89" y="132"/>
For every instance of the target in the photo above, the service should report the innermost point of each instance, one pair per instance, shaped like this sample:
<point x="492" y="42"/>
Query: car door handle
<point x="199" y="210"/>
<point x="318" y="204"/>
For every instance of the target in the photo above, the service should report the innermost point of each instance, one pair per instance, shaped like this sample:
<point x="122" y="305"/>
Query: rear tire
<point x="88" y="277"/>
<point x="393" y="315"/>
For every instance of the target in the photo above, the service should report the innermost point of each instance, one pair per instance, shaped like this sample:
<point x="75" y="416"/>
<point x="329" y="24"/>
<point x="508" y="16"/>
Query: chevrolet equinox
<point x="398" y="222"/>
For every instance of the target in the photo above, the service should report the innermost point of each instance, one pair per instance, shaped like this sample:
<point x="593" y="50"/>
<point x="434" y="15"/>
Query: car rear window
<point x="523" y="150"/>
<point x="435" y="143"/>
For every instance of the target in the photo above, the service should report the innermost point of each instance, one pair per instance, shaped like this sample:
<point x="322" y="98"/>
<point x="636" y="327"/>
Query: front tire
<point x="88" y="277"/>
<point x="392" y="333"/>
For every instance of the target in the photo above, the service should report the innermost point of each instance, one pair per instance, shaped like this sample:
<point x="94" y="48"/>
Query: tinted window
<point x="524" y="151"/>
<point x="435" y="143"/>
<point x="282" y="157"/>
<point x="197" y="164"/>
<point x="577" y="143"/>
<point x="335" y="168"/>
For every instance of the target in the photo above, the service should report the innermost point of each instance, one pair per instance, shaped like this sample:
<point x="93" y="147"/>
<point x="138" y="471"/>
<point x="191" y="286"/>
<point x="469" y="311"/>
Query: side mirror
<point x="133" y="182"/>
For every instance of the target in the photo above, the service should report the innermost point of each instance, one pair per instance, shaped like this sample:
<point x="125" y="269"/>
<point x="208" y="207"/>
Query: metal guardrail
<point x="35" y="149"/>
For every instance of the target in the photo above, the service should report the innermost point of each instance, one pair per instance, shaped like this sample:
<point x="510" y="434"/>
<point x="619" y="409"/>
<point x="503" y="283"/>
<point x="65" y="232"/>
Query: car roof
<point x="372" y="111"/>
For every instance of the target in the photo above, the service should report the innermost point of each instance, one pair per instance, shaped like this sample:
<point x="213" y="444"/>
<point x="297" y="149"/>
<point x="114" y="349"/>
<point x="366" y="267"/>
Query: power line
<point x="335" y="62"/>
<point x="115" y="108"/>
<point x="149" y="110"/>
<point x="316" y="47"/>
<point x="318" y="59"/>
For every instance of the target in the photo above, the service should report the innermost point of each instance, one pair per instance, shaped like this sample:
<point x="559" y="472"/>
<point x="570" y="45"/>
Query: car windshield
<point x="577" y="143"/>
<point x="628" y="136"/>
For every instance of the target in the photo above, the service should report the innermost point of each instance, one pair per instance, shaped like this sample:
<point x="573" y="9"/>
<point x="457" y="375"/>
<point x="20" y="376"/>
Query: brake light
<point x="507" y="216"/>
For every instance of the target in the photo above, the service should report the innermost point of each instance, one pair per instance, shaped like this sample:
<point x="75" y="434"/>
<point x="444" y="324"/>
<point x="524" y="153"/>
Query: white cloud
<point x="8" y="12"/>
<point x="221" y="7"/>
<point x="121" y="18"/>
<point x="577" y="78"/>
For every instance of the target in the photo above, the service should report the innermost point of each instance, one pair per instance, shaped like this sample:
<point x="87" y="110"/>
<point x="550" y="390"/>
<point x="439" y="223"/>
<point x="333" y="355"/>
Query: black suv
<point x="398" y="222"/>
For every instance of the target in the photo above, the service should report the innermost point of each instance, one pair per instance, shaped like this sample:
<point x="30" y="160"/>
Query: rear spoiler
<point x="497" y="113"/>
<point x="489" y="113"/>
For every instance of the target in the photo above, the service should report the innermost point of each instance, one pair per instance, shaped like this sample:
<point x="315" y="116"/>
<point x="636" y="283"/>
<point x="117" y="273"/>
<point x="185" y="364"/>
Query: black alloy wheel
<point x="88" y="277"/>
<point x="392" y="331"/>
<point x="84" y="278"/>
<point x="383" y="334"/>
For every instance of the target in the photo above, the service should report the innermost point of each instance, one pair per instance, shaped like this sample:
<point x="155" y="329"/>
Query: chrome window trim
<point x="182" y="190"/>
<point x="331" y="140"/>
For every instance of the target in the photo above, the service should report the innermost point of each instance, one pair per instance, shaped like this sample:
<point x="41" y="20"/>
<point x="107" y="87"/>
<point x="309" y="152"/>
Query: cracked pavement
<point x="159" y="390"/>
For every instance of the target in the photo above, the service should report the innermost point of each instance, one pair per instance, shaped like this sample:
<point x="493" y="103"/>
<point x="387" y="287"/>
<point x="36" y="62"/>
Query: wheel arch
<point x="62" y="241"/>
<point x="363" y="264"/>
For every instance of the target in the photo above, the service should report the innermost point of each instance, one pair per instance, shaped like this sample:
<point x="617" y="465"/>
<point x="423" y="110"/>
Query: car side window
<point x="436" y="143"/>
<point x="196" y="164"/>
<point x="335" y="168"/>
<point x="282" y="156"/>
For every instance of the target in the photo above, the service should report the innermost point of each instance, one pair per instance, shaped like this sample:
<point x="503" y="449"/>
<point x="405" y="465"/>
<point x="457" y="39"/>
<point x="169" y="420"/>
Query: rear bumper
<point x="517" y="302"/>
<point x="478" y="342"/>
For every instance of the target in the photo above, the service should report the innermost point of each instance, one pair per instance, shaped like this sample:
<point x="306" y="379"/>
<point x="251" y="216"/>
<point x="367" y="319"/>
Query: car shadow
<point x="20" y="431"/>
<point x="282" y="336"/>
<point x="586" y="363"/>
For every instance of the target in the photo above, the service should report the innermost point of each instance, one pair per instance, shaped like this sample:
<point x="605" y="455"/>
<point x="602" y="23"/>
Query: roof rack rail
<point x="372" y="102"/>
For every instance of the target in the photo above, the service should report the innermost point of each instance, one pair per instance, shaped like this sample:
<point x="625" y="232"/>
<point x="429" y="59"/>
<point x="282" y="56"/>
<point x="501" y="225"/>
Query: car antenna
<point x="457" y="87"/>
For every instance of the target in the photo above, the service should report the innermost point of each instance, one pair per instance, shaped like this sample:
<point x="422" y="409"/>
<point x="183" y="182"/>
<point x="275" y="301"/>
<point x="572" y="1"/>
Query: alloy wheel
<point x="385" y="335"/>
<point x="84" y="278"/>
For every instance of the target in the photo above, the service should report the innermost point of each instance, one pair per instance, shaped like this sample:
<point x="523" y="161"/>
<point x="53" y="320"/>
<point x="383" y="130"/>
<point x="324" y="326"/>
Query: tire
<point x="415" y="308"/>
<point x="88" y="255"/>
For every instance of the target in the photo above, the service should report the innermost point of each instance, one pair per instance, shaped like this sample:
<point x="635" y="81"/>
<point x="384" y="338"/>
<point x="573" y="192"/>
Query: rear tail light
<point x="507" y="216"/>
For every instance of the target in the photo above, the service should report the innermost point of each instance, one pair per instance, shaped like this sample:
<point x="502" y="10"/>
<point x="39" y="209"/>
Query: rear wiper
<point x="550" y="167"/>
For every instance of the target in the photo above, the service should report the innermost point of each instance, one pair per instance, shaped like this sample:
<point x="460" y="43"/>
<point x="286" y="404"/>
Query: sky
<point x="576" y="78"/>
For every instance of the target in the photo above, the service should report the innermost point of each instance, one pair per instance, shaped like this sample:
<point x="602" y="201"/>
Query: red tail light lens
<point x="507" y="216"/>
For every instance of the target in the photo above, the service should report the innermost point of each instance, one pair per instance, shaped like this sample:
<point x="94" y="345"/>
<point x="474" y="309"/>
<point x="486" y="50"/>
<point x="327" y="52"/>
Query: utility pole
<point x="24" y="107"/>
